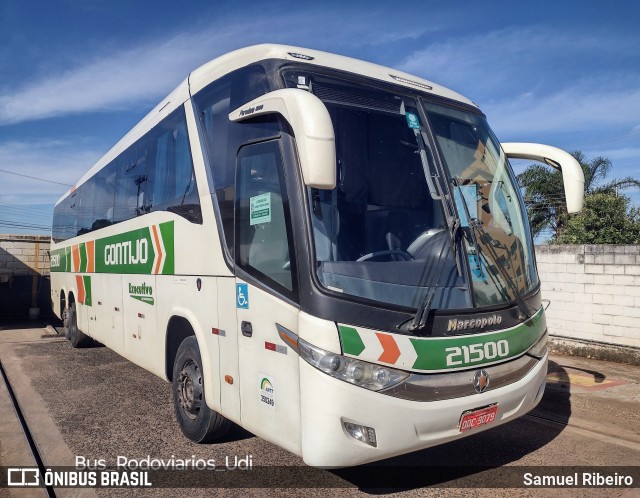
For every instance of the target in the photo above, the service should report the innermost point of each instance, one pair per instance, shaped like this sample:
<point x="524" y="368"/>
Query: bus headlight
<point x="360" y="373"/>
<point x="539" y="349"/>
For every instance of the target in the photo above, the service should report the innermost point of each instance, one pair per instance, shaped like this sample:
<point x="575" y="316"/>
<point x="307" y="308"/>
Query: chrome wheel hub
<point x="190" y="389"/>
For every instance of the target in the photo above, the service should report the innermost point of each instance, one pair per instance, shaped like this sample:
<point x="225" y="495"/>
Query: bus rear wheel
<point x="198" y="422"/>
<point x="76" y="337"/>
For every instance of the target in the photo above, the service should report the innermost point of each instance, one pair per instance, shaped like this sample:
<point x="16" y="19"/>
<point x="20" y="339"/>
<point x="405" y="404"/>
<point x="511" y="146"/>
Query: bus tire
<point x="198" y="422"/>
<point x="65" y="323"/>
<point x="77" y="338"/>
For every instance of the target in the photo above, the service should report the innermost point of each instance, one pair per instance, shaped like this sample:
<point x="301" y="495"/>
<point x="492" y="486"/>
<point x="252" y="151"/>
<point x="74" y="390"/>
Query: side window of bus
<point x="223" y="138"/>
<point x="84" y="208"/>
<point x="64" y="219"/>
<point x="130" y="179"/>
<point x="263" y="243"/>
<point x="103" y="196"/>
<point x="71" y="225"/>
<point x="171" y="183"/>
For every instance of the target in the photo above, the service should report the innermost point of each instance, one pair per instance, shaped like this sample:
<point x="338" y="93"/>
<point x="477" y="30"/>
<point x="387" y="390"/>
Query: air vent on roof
<point x="411" y="82"/>
<point x="357" y="97"/>
<point x="301" y="56"/>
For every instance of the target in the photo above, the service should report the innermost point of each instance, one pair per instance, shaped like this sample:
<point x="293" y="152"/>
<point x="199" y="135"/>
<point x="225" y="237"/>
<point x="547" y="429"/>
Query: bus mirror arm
<point x="572" y="175"/>
<point x="311" y="125"/>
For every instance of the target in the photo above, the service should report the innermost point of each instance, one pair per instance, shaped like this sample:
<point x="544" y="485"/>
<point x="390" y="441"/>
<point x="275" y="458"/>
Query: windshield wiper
<point x="452" y="219"/>
<point x="488" y="243"/>
<point x="420" y="318"/>
<point x="453" y="228"/>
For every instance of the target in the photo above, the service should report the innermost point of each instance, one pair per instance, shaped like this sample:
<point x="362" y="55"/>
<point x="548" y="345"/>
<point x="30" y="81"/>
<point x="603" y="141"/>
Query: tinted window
<point x="84" y="208"/>
<point x="223" y="138"/>
<point x="64" y="220"/>
<point x="154" y="174"/>
<point x="130" y="178"/>
<point x="170" y="180"/>
<point x="103" y="196"/>
<point x="263" y="227"/>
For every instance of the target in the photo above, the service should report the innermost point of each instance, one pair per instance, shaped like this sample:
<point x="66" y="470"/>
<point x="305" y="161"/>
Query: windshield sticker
<point x="267" y="392"/>
<point x="466" y="194"/>
<point x="412" y="120"/>
<point x="260" y="209"/>
<point x="478" y="267"/>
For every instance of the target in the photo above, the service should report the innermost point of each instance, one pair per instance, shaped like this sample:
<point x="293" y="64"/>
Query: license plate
<point x="477" y="417"/>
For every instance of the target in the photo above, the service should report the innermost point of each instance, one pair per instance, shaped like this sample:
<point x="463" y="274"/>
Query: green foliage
<point x="605" y="219"/>
<point x="544" y="193"/>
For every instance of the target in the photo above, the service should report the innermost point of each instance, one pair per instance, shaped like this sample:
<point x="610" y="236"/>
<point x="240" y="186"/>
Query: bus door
<point x="266" y="296"/>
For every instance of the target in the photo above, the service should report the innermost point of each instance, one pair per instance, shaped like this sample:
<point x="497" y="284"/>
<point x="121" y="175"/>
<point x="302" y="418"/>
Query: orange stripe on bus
<point x="75" y="257"/>
<point x="391" y="351"/>
<point x="155" y="236"/>
<point x="90" y="256"/>
<point x="80" y="284"/>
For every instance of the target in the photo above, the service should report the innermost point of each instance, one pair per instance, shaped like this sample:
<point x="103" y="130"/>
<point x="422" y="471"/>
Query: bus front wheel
<point x="198" y="422"/>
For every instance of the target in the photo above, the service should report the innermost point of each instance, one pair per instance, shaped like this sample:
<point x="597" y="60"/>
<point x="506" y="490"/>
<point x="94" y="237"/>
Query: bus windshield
<point x="498" y="242"/>
<point x="382" y="233"/>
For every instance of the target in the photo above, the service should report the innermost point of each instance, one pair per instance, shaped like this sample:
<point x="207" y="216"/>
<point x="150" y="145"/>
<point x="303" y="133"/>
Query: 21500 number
<point x="476" y="352"/>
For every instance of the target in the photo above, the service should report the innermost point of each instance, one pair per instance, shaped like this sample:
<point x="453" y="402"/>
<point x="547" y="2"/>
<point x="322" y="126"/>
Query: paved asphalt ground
<point x="93" y="403"/>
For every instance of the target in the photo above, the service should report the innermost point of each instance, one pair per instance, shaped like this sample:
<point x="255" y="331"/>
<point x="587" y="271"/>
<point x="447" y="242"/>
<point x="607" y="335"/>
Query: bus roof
<point x="216" y="68"/>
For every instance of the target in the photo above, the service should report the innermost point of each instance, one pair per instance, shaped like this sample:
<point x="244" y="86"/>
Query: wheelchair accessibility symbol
<point x="242" y="296"/>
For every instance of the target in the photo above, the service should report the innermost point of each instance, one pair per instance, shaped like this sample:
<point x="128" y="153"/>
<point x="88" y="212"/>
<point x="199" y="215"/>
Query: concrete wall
<point x="24" y="275"/>
<point x="24" y="254"/>
<point x="594" y="292"/>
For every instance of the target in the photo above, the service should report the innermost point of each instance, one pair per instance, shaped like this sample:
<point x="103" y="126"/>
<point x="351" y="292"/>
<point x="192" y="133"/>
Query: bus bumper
<point x="401" y="426"/>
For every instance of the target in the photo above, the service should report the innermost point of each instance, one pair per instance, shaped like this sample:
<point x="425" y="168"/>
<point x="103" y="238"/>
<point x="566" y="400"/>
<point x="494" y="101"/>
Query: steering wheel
<point x="389" y="252"/>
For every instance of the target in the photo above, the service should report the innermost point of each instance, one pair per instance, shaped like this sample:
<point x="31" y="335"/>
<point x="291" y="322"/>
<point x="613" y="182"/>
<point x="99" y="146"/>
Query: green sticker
<point x="412" y="120"/>
<point x="141" y="292"/>
<point x="260" y="209"/>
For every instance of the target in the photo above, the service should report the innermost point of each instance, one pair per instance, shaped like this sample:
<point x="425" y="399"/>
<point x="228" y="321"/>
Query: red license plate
<point x="477" y="417"/>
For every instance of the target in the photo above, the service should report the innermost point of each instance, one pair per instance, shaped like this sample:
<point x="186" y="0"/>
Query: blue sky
<point x="76" y="75"/>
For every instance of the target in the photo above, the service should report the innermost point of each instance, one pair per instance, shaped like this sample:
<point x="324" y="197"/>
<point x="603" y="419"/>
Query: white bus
<point x="332" y="254"/>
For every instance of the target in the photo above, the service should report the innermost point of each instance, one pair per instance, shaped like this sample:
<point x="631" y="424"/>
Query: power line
<point x="24" y="211"/>
<point x="22" y="215"/>
<point x="41" y="231"/>
<point x="8" y="223"/>
<point x="34" y="177"/>
<point x="28" y="207"/>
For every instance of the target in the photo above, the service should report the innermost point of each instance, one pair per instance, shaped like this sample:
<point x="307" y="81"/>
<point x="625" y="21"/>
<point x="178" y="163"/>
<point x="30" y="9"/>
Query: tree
<point x="544" y="191"/>
<point x="605" y="219"/>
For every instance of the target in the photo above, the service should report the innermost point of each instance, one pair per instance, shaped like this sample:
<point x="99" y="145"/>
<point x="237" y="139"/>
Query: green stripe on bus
<point x="87" y="289"/>
<point x="82" y="249"/>
<point x="351" y="341"/>
<point x="144" y="299"/>
<point x="449" y="353"/>
<point x="166" y="230"/>
<point x="128" y="252"/>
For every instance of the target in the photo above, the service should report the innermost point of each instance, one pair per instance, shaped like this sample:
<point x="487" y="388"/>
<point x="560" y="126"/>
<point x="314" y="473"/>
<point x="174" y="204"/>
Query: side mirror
<point x="312" y="127"/>
<point x="572" y="175"/>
